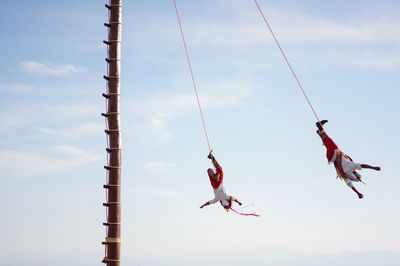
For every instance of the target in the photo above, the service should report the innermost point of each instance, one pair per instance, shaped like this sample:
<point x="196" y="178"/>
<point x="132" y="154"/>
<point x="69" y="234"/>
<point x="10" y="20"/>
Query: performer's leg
<point x="238" y="202"/>
<point x="376" y="168"/>
<point x="350" y="185"/>
<point x="360" y="196"/>
<point x="321" y="132"/>
<point x="320" y="124"/>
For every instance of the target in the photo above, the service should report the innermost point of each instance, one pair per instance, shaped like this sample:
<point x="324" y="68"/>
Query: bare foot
<point x="377" y="168"/>
<point x="360" y="196"/>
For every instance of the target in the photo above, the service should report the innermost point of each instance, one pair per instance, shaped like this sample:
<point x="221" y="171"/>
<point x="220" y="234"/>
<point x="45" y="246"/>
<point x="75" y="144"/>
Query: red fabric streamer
<point x="246" y="214"/>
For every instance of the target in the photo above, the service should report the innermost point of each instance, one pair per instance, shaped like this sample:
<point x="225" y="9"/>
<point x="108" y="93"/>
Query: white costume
<point x="221" y="195"/>
<point x="348" y="168"/>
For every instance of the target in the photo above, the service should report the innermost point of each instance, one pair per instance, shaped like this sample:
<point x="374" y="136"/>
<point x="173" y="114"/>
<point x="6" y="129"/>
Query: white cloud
<point x="155" y="130"/>
<point x="161" y="193"/>
<point x="158" y="166"/>
<point x="297" y="27"/>
<point x="31" y="114"/>
<point x="26" y="164"/>
<point x="248" y="28"/>
<point x="16" y="88"/>
<point x="80" y="109"/>
<point x="222" y="95"/>
<point x="240" y="34"/>
<point x="84" y="129"/>
<point x="92" y="47"/>
<point x="61" y="111"/>
<point x="159" y="110"/>
<point x="360" y="59"/>
<point x="361" y="43"/>
<point x="12" y="120"/>
<point x="69" y="150"/>
<point x="49" y="68"/>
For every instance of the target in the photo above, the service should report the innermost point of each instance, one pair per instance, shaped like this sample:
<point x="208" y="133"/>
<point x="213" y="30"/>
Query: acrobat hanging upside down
<point x="344" y="165"/>
<point x="216" y="179"/>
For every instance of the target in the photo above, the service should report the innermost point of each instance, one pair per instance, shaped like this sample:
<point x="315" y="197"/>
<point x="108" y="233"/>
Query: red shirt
<point x="214" y="183"/>
<point x="330" y="148"/>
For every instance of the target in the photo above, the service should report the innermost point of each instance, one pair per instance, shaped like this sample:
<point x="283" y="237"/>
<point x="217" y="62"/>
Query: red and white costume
<point x="348" y="166"/>
<point x="219" y="189"/>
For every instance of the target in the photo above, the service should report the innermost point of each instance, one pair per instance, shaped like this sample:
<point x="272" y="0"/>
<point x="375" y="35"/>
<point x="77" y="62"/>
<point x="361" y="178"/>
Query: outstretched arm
<point x="209" y="202"/>
<point x="205" y="204"/>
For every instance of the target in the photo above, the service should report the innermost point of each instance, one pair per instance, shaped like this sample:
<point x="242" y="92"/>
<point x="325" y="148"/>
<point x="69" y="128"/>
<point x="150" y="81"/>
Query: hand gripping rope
<point x="287" y="61"/>
<point x="191" y="73"/>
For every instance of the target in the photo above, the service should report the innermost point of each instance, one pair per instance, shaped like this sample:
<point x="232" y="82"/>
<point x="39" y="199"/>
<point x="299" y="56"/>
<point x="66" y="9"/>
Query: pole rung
<point x="110" y="6"/>
<point x="108" y="131"/>
<point x="109" y="167"/>
<point x="111" y="77"/>
<point x="110" y="186"/>
<point x="105" y="260"/>
<point x="107" y="25"/>
<point x="108" y="60"/>
<point x="107" y="204"/>
<point x="113" y="240"/>
<point x="109" y="113"/>
<point x="109" y="150"/>
<point x="107" y="95"/>
<point x="109" y="42"/>
<point x="110" y="223"/>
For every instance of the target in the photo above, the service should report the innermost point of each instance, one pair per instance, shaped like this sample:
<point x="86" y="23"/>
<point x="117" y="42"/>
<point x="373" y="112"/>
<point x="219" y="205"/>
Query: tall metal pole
<point x="113" y="131"/>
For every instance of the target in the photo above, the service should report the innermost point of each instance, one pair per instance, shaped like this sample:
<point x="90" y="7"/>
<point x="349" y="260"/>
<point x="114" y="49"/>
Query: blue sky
<point x="52" y="150"/>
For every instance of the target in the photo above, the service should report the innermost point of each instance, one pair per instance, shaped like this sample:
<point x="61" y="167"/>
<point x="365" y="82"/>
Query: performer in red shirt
<point x="344" y="165"/>
<point x="216" y="179"/>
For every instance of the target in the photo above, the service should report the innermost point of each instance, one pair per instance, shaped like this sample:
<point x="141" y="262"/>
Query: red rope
<point x="191" y="73"/>
<point x="287" y="61"/>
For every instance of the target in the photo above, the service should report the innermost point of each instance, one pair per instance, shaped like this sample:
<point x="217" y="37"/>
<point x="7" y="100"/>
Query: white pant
<point x="348" y="168"/>
<point x="221" y="195"/>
